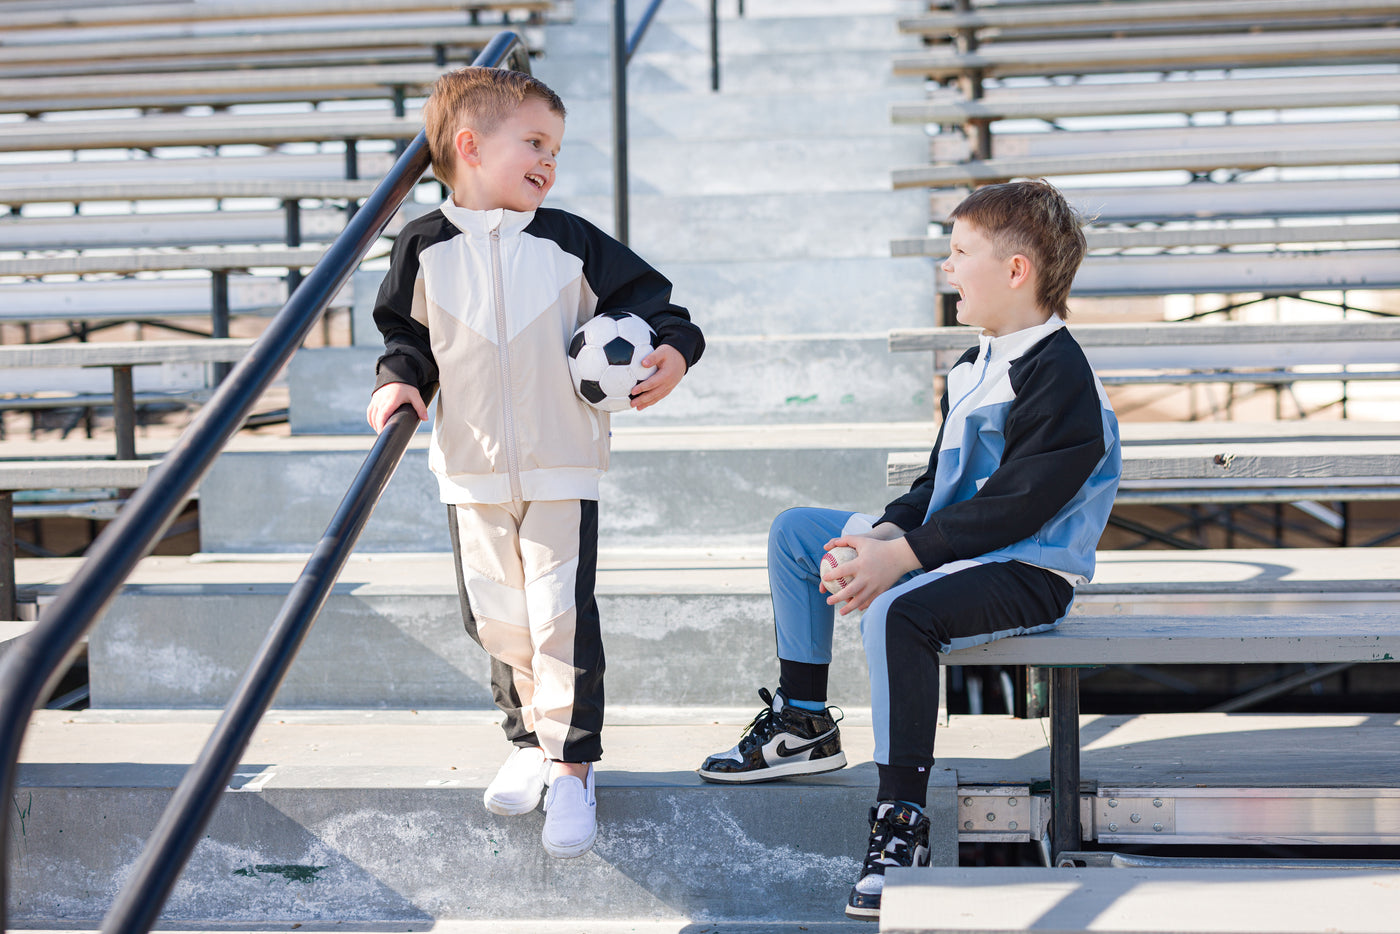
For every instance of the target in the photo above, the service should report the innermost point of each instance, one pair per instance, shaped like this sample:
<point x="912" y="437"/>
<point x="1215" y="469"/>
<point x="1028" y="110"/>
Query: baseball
<point x="836" y="557"/>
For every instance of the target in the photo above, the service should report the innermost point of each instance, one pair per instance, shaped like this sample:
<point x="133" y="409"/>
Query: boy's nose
<point x="947" y="265"/>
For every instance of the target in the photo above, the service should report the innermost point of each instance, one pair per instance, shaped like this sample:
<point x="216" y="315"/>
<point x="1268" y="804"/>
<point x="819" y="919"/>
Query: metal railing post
<point x="714" y="43"/>
<point x="619" y="115"/>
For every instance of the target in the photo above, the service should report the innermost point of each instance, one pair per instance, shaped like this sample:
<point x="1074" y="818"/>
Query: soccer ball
<point x="605" y="359"/>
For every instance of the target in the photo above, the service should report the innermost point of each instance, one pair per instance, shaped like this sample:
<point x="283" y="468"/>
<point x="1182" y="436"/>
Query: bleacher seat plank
<point x="140" y="299"/>
<point x="265" y="168"/>
<point x="123" y="353"/>
<point x="73" y="474"/>
<point x="175" y="229"/>
<point x="217" y="130"/>
<point x="179" y="13"/>
<point x="1196" y="96"/>
<point x="1189" y="160"/>
<point x="188" y="189"/>
<point x="1191" y="640"/>
<point x="1205" y="200"/>
<point x="253" y="49"/>
<point x="1085" y="56"/>
<point x="1166" y="237"/>
<point x="1125" y="17"/>
<point x="1214" y="900"/>
<point x="133" y="262"/>
<point x="955" y="147"/>
<point x="95" y="92"/>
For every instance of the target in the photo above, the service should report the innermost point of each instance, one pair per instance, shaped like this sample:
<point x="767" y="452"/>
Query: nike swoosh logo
<point x="785" y="752"/>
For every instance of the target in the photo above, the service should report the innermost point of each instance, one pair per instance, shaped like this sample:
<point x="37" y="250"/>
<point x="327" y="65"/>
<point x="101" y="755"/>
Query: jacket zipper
<point x="507" y="401"/>
<point x="981" y="377"/>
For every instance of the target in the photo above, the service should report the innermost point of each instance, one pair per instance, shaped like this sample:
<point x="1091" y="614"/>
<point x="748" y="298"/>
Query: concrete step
<point x="364" y="817"/>
<point x="665" y="486"/>
<point x="580" y="76"/>
<point x="600" y="11"/>
<point x="765" y="297"/>
<point x="738" y="167"/>
<point x="183" y="629"/>
<point x="763" y="35"/>
<point x="756" y="380"/>
<point x="767" y="226"/>
<point x="1141" y="900"/>
<point x="838" y="113"/>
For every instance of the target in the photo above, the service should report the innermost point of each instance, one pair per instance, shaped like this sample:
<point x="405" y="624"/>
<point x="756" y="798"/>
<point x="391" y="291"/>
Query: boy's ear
<point x="464" y="144"/>
<point x="1019" y="269"/>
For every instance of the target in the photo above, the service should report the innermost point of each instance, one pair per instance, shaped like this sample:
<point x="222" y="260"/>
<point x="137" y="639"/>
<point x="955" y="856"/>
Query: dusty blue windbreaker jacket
<point x="1027" y="460"/>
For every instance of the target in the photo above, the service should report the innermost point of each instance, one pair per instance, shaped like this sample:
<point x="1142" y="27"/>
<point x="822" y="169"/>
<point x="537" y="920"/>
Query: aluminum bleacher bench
<point x="1304" y="257"/>
<point x="1002" y="21"/>
<point x="52" y="474"/>
<point x="1212" y="639"/>
<point x="216" y="88"/>
<point x="1056" y="101"/>
<point x="1156" y="54"/>
<point x="1211" y="200"/>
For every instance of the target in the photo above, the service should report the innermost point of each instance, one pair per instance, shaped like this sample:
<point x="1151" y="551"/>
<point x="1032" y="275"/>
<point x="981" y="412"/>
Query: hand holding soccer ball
<point x="605" y="359"/>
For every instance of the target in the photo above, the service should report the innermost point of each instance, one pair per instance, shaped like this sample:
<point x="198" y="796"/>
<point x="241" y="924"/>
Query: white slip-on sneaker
<point x="570" y="816"/>
<point x="517" y="787"/>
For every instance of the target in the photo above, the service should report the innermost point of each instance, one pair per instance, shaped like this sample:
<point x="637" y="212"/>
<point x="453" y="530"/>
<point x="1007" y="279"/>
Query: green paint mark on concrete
<point x="24" y="814"/>
<point x="1387" y="657"/>
<point x="848" y="399"/>
<point x="302" y="874"/>
<point x="800" y="400"/>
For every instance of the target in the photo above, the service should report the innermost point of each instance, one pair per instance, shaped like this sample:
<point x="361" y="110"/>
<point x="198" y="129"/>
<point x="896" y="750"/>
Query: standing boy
<point x="990" y="542"/>
<point x="482" y="296"/>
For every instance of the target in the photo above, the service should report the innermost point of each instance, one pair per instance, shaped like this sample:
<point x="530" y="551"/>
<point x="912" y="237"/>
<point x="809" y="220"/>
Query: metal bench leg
<point x="9" y="593"/>
<point x="1064" y="761"/>
<point x="124" y="412"/>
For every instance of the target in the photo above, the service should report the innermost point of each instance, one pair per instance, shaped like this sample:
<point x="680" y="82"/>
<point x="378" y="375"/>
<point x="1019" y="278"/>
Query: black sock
<point x="802" y="680"/>
<point x="903" y="783"/>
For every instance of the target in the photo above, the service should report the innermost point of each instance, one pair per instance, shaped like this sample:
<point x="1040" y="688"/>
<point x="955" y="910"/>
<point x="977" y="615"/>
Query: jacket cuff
<point x="397" y="368"/>
<point x="930" y="547"/>
<point x="684" y="342"/>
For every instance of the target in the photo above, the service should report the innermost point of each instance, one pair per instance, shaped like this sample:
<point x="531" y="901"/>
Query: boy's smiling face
<point x="513" y="166"/>
<point x="983" y="279"/>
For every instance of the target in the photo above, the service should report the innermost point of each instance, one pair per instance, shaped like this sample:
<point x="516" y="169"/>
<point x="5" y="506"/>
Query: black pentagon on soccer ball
<point x="591" y="391"/>
<point x="618" y="351"/>
<point x="576" y="345"/>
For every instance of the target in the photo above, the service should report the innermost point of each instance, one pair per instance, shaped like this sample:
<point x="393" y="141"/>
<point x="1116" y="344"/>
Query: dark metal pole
<point x="714" y="43"/>
<point x="124" y="412"/>
<point x="219" y="317"/>
<point x="144" y="895"/>
<point x="1064" y="761"/>
<point x="9" y="588"/>
<point x="619" y="115"/>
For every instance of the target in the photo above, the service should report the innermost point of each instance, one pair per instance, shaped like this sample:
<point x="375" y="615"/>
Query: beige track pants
<point x="525" y="574"/>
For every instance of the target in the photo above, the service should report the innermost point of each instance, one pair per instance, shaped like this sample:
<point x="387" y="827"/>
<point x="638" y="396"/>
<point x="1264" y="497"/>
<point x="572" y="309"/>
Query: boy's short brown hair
<point x="1034" y="219"/>
<point x="479" y="98"/>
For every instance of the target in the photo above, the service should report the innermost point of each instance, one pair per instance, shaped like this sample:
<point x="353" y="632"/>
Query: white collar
<point x="1010" y="346"/>
<point x="481" y="223"/>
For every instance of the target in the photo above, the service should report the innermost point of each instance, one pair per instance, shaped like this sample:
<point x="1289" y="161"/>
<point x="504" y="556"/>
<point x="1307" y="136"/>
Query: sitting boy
<point x="990" y="542"/>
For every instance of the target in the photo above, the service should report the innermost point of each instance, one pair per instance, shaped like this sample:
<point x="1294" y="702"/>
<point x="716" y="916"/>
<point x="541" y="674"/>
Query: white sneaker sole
<point x="862" y="914"/>
<point x="806" y="767"/>
<point x="506" y="809"/>
<point x="569" y="852"/>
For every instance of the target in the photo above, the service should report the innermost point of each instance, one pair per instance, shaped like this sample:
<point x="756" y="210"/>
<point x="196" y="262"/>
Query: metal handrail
<point x="37" y="660"/>
<point x="623" y="48"/>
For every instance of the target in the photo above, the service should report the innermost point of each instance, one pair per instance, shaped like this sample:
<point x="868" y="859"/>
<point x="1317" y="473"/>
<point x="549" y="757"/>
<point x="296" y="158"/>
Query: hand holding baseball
<point x="877" y="565"/>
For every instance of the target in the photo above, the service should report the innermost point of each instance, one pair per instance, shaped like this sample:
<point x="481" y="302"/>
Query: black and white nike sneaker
<point x="898" y="837"/>
<point x="782" y="741"/>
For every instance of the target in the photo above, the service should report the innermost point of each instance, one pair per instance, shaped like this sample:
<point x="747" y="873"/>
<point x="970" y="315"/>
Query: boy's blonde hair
<point x="1034" y="219"/>
<point x="480" y="98"/>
